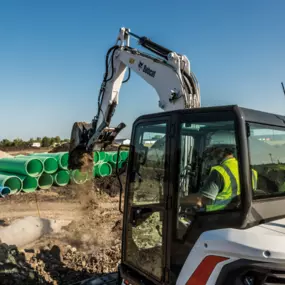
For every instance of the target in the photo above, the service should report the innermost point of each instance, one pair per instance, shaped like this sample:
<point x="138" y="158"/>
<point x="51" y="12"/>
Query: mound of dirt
<point x="65" y="265"/>
<point x="90" y="244"/>
<point x="14" y="268"/>
<point x="4" y="154"/>
<point x="60" y="148"/>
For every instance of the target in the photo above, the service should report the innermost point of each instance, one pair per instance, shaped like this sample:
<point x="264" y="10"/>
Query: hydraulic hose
<point x="105" y="80"/>
<point x="23" y="165"/>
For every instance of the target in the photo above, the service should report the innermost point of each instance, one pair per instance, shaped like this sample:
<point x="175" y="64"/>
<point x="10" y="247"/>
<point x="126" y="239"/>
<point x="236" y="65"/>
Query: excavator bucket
<point x="79" y="157"/>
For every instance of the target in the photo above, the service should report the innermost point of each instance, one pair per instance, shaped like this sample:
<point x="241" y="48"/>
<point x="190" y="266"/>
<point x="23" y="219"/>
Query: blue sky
<point x="52" y="56"/>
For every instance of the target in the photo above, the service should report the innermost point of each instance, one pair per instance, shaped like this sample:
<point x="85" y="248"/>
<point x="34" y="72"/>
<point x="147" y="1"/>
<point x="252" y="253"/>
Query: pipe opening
<point x="79" y="177"/>
<point x="30" y="184"/>
<point x="14" y="183"/>
<point x="45" y="181"/>
<point x="4" y="191"/>
<point x="34" y="167"/>
<point x="124" y="155"/>
<point x="50" y="165"/>
<point x="96" y="156"/>
<point x="64" y="160"/>
<point x="105" y="169"/>
<point x="102" y="169"/>
<point x="62" y="178"/>
<point x="100" y="156"/>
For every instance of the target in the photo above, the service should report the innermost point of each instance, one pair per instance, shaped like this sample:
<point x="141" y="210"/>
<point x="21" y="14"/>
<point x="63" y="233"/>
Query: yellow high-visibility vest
<point x="230" y="173"/>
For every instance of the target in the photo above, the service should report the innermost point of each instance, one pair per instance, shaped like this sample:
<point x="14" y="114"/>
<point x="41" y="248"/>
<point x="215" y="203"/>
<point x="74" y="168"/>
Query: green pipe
<point x="61" y="178"/>
<point x="109" y="156"/>
<point x="50" y="164"/>
<point x="112" y="157"/>
<point x="45" y="181"/>
<point x="78" y="177"/>
<point x="29" y="184"/>
<point x="61" y="157"/>
<point x="124" y="155"/>
<point x="102" y="169"/>
<point x="22" y="165"/>
<point x="11" y="181"/>
<point x="4" y="191"/>
<point x="99" y="156"/>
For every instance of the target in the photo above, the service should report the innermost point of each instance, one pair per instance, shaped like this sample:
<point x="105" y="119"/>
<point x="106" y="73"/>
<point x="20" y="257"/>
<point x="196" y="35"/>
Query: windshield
<point x="267" y="157"/>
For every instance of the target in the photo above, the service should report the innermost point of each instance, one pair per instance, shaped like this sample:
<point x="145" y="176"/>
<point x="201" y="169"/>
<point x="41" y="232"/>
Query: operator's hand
<point x="192" y="199"/>
<point x="195" y="200"/>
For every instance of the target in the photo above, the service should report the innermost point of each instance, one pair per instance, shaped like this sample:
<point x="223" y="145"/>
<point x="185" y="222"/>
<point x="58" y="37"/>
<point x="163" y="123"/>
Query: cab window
<point x="204" y="146"/>
<point x="267" y="157"/>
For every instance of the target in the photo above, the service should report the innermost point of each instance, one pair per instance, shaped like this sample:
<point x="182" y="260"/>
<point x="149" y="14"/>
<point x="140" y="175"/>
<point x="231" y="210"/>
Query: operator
<point x="222" y="184"/>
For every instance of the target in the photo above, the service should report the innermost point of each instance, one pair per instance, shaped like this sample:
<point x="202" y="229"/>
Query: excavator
<point x="171" y="153"/>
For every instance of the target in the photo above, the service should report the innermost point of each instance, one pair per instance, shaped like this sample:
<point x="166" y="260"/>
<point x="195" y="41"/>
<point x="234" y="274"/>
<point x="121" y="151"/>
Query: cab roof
<point x="250" y="115"/>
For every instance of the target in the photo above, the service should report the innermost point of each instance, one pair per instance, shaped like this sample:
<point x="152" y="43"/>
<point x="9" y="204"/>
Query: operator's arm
<point x="208" y="193"/>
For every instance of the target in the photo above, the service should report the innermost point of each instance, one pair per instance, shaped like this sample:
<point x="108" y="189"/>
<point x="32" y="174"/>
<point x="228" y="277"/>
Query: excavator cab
<point x="170" y="157"/>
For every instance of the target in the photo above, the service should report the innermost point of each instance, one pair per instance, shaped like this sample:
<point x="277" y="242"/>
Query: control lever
<point x="139" y="214"/>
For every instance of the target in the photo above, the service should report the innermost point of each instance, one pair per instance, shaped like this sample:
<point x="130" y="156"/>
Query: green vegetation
<point x="45" y="142"/>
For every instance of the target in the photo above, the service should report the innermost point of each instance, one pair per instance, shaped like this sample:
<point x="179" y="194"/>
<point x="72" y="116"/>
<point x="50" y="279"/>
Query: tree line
<point x="45" y="142"/>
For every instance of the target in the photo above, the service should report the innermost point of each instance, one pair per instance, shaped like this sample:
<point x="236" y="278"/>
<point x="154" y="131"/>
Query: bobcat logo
<point x="140" y="65"/>
<point x="146" y="69"/>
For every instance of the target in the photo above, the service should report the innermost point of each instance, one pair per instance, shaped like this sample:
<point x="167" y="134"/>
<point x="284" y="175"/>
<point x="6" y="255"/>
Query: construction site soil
<point x="89" y="243"/>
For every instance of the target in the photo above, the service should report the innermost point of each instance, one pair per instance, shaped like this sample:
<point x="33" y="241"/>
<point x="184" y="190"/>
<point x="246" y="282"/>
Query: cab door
<point x="146" y="213"/>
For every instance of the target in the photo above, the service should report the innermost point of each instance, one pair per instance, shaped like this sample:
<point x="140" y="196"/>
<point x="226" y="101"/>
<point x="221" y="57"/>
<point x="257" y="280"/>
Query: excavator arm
<point x="168" y="72"/>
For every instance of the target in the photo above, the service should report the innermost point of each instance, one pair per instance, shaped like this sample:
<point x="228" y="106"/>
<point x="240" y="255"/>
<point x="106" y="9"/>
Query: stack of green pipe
<point x="110" y="157"/>
<point x="61" y="178"/>
<point x="61" y="157"/>
<point x="44" y="179"/>
<point x="41" y="170"/>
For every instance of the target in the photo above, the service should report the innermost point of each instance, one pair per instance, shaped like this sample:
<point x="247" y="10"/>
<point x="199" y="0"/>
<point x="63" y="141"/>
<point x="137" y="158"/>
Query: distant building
<point x="36" y="144"/>
<point x="123" y="141"/>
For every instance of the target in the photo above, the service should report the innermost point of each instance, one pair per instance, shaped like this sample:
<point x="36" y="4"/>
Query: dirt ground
<point x="90" y="241"/>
